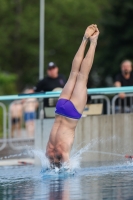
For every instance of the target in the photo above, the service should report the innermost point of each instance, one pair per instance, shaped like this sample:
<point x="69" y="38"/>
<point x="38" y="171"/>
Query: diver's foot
<point x="90" y="31"/>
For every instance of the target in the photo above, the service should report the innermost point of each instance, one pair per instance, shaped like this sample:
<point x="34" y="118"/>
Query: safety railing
<point x="96" y="91"/>
<point x="102" y="98"/>
<point x="21" y="122"/>
<point x="122" y="105"/>
<point x="4" y="130"/>
<point x="97" y="95"/>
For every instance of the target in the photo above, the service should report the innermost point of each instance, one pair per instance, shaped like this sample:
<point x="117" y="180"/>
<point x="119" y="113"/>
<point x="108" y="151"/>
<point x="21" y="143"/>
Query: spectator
<point x="16" y="113"/>
<point x="30" y="105"/>
<point x="125" y="78"/>
<point x="52" y="81"/>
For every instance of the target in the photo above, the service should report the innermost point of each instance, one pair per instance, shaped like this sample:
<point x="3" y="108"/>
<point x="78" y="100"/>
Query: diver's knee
<point x="82" y="78"/>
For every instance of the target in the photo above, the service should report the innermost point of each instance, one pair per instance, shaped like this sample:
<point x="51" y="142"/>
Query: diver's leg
<point x="76" y="64"/>
<point x="79" y="95"/>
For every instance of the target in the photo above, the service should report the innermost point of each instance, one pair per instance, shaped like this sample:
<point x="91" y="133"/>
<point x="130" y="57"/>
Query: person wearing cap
<point x="51" y="81"/>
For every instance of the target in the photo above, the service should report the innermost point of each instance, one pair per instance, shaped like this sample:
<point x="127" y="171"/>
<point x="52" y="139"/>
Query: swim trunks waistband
<point x="66" y="108"/>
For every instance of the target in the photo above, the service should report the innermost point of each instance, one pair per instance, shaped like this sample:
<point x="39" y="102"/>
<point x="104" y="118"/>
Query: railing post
<point x="4" y="127"/>
<point x="107" y="100"/>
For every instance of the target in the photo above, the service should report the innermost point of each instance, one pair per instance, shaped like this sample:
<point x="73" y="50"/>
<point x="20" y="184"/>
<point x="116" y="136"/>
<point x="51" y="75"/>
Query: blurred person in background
<point x="16" y="114"/>
<point x="125" y="78"/>
<point x="52" y="81"/>
<point x="30" y="106"/>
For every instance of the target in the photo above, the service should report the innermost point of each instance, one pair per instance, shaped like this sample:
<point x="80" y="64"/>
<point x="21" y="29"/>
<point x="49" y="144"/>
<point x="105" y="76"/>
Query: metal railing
<point x="97" y="95"/>
<point x="122" y="105"/>
<point x="96" y="91"/>
<point x="102" y="97"/>
<point x="4" y="126"/>
<point x="21" y="122"/>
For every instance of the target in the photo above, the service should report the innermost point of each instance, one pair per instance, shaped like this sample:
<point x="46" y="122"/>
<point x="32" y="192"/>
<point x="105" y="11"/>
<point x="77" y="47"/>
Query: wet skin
<point x="63" y="131"/>
<point x="61" y="140"/>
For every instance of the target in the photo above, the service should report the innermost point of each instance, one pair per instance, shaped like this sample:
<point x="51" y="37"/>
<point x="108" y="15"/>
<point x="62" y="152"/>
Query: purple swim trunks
<point x="66" y="108"/>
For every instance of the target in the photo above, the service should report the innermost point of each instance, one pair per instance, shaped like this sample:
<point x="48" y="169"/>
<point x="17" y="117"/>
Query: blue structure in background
<point x="110" y="90"/>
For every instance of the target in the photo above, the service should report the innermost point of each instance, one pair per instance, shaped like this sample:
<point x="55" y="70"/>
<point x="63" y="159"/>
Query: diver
<point x="71" y="102"/>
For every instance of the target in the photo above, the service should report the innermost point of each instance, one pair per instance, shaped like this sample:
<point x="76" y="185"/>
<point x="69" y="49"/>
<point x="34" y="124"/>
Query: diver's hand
<point x="90" y="31"/>
<point x="94" y="37"/>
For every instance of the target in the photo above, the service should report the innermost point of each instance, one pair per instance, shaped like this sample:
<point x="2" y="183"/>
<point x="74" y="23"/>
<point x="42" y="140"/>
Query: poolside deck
<point x="22" y="161"/>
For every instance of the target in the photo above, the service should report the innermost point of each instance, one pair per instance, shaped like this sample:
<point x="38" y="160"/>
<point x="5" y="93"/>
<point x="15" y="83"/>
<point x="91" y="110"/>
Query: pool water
<point x="94" y="182"/>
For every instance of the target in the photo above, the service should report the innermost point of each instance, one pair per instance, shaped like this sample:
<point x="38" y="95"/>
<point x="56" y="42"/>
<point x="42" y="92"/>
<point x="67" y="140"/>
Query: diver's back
<point x="66" y="122"/>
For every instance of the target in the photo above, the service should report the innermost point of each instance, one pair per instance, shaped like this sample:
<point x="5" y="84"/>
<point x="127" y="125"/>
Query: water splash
<point x="41" y="155"/>
<point x="107" y="153"/>
<point x="64" y="170"/>
<point x="75" y="158"/>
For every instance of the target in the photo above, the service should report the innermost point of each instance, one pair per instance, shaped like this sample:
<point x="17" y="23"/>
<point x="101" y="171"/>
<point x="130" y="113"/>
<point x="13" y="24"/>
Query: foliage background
<point x="65" y="22"/>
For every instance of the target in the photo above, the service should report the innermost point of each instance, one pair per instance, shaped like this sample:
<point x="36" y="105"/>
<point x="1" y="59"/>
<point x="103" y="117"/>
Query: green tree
<point x="116" y="39"/>
<point x="64" y="28"/>
<point x="19" y="31"/>
<point x="7" y="83"/>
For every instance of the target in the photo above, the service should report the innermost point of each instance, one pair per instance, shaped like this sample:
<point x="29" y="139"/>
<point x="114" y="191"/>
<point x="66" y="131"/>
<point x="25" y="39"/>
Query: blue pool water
<point x="91" y="181"/>
<point x="94" y="181"/>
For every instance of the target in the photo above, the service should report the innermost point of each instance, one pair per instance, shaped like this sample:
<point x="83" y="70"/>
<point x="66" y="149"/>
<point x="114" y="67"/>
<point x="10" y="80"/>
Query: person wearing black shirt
<point x="125" y="78"/>
<point x="52" y="81"/>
